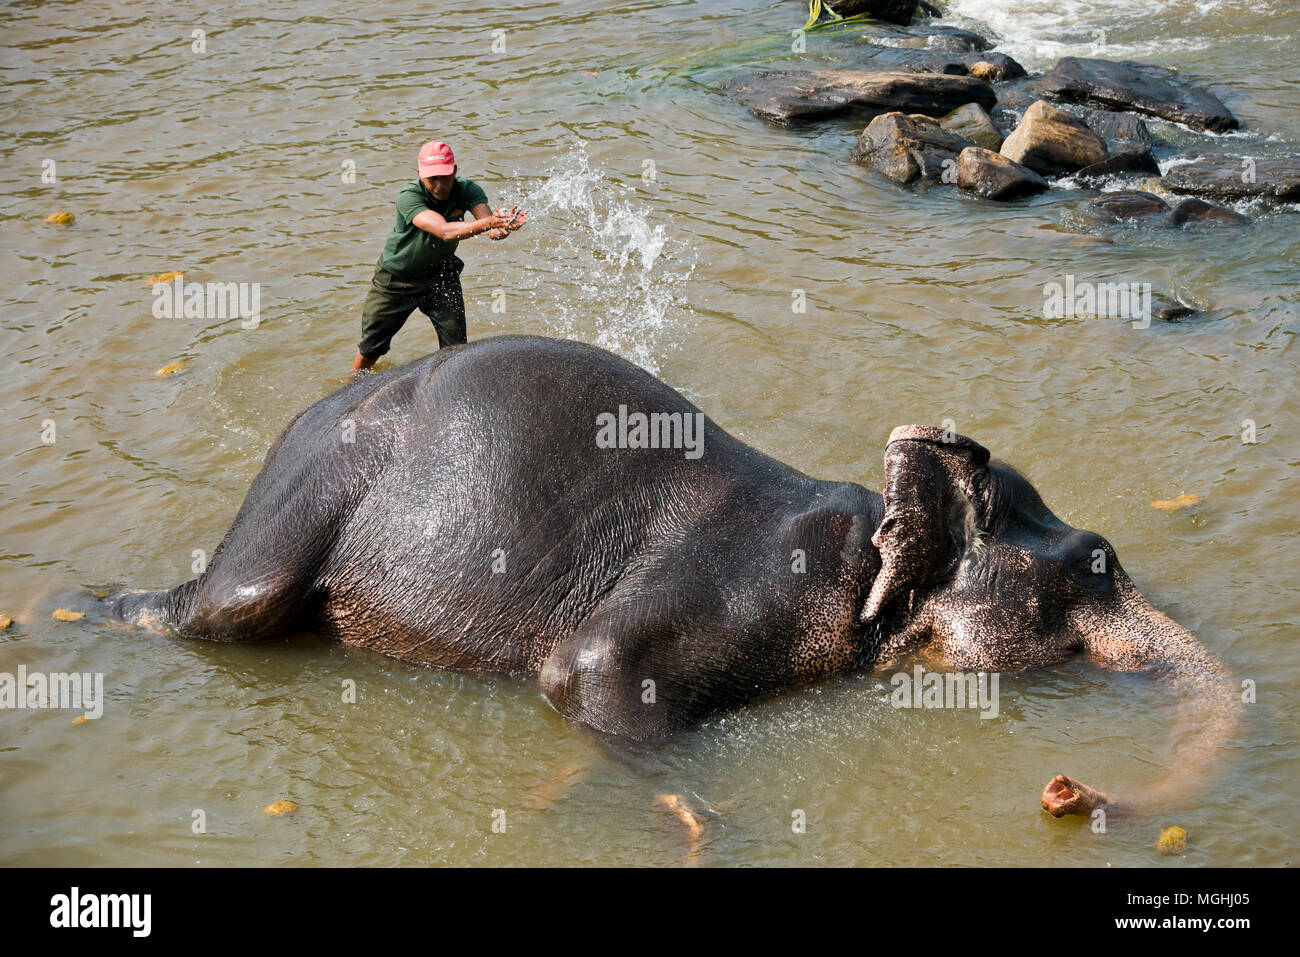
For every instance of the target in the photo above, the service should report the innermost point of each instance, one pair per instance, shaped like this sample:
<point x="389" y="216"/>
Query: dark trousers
<point x="392" y="299"/>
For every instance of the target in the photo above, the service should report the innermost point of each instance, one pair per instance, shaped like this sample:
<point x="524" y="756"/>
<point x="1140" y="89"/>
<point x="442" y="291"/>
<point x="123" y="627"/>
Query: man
<point x="418" y="267"/>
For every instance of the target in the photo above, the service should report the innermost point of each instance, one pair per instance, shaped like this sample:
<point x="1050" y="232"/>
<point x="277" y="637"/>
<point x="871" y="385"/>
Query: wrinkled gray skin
<point x="623" y="566"/>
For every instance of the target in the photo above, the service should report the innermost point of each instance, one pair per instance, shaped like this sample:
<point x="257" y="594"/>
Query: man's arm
<point x="435" y="225"/>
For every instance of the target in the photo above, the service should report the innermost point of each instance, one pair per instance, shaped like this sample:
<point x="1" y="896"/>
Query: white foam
<point x="1037" y="32"/>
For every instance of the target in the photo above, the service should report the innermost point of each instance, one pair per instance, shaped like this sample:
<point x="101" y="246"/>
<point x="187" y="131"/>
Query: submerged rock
<point x="993" y="176"/>
<point x="1126" y="206"/>
<point x="1139" y="87"/>
<point x="1052" y="142"/>
<point x="972" y="123"/>
<point x="792" y="96"/>
<point x="989" y="67"/>
<point x="929" y="36"/>
<point x="1238" y="177"/>
<point x="909" y="149"/>
<point x="1170" y="310"/>
<point x="1200" y="213"/>
<point x="1130" y="161"/>
<point x="1136" y="206"/>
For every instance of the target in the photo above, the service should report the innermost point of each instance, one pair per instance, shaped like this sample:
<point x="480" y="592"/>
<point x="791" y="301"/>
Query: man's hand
<point x="509" y="218"/>
<point x="516" y="219"/>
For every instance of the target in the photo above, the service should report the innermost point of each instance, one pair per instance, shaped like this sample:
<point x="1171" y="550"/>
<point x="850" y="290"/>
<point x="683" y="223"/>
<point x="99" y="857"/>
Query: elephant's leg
<point x="651" y="660"/>
<point x="262" y="578"/>
<point x="257" y="586"/>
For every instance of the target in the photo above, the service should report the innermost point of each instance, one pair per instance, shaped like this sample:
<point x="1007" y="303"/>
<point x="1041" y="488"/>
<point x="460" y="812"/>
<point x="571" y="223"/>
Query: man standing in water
<point x="419" y="267"/>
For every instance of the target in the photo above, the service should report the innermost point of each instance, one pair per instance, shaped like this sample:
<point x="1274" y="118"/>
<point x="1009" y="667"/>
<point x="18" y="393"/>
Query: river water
<point x="673" y="227"/>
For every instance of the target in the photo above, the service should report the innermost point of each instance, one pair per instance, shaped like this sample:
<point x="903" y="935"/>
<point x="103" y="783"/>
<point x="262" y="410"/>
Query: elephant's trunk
<point x="1136" y="637"/>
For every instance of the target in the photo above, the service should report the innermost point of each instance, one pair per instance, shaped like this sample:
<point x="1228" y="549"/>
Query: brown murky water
<point x="228" y="165"/>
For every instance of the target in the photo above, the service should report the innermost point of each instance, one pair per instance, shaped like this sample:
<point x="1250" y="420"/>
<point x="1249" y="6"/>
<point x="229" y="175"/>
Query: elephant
<point x="542" y="507"/>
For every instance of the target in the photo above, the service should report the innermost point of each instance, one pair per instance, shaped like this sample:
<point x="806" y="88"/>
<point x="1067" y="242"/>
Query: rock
<point x="1200" y="213"/>
<point x="868" y="56"/>
<point x="1230" y="177"/>
<point x="993" y="176"/>
<point x="1169" y="310"/>
<point x="1051" y="141"/>
<point x="991" y="67"/>
<point x="1121" y="131"/>
<point x="1126" y="206"/>
<point x="1135" y="206"/>
<point x="1139" y="87"/>
<point x="791" y="96"/>
<point x="1014" y="97"/>
<point x="908" y="148"/>
<point x="922" y="36"/>
<point x="63" y="614"/>
<point x="891" y="11"/>
<point x="1131" y="161"/>
<point x="971" y="123"/>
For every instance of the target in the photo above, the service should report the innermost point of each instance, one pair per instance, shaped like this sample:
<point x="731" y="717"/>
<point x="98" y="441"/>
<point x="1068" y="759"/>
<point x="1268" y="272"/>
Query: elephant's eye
<point x="1093" y="569"/>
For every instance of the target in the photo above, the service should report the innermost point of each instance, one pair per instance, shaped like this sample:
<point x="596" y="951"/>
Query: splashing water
<point x="613" y="279"/>
<point x="1037" y="32"/>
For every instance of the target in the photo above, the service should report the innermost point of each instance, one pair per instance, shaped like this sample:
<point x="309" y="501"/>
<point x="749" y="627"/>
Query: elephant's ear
<point x="932" y="478"/>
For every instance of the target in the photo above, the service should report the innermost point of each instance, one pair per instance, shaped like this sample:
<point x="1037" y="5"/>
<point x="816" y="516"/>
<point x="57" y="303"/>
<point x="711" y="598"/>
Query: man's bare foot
<point x="1064" y="795"/>
<point x="360" y="365"/>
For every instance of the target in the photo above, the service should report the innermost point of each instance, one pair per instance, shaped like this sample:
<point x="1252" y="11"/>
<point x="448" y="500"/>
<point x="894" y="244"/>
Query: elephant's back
<point x="500" y="522"/>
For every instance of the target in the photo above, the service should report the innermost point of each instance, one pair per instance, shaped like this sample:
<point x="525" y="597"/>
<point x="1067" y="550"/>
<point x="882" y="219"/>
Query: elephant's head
<point x="975" y="567"/>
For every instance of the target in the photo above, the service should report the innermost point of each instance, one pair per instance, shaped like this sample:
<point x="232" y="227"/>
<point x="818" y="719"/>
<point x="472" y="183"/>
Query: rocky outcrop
<point x="1052" y="142"/>
<point x="972" y="123"/>
<point x="1139" y="87"/>
<point x="1234" y="177"/>
<point x="1147" y="209"/>
<point x="993" y="176"/>
<point x="786" y="97"/>
<point x="909" y="149"/>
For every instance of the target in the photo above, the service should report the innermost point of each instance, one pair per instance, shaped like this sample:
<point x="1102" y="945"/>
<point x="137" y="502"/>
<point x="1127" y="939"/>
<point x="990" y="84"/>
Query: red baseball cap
<point x="435" y="159"/>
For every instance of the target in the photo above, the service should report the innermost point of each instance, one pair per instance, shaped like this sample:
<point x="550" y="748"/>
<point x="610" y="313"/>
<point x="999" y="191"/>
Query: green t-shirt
<point x="410" y="252"/>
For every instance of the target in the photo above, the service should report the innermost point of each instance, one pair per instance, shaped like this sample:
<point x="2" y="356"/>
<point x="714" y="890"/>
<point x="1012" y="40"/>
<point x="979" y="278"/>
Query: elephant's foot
<point x="694" y="822"/>
<point x="1064" y="795"/>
